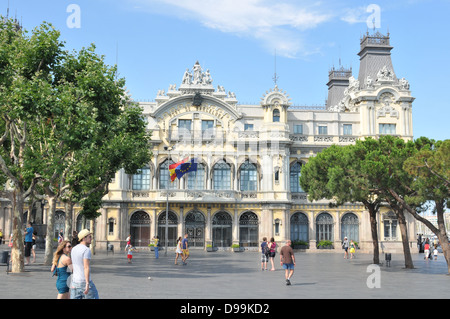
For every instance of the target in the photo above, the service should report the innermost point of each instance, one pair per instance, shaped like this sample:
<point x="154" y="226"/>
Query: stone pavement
<point x="228" y="275"/>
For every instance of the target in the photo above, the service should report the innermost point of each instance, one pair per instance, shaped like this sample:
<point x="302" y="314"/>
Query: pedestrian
<point x="287" y="260"/>
<point x="435" y="252"/>
<point x="28" y="242"/>
<point x="157" y="244"/>
<point x="1" y="236"/>
<point x="60" y="236"/>
<point x="130" y="249"/>
<point x="272" y="252"/>
<point x="185" y="248"/>
<point x="426" y="250"/>
<point x="264" y="253"/>
<point x="33" y="247"/>
<point x="61" y="262"/>
<point x="345" y="247"/>
<point x="82" y="285"/>
<point x="178" y="251"/>
<point x="352" y="249"/>
<point x="74" y="238"/>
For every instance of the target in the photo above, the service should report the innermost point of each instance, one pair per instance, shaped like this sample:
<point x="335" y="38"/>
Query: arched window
<point x="295" y="177"/>
<point x="196" y="179"/>
<point x="248" y="230"/>
<point x="350" y="227"/>
<point x="324" y="227"/>
<point x="390" y="222"/>
<point x="164" y="176"/>
<point x="248" y="176"/>
<point x="299" y="227"/>
<point x="222" y="229"/>
<point x="141" y="180"/>
<point x="276" y="115"/>
<point x="222" y="176"/>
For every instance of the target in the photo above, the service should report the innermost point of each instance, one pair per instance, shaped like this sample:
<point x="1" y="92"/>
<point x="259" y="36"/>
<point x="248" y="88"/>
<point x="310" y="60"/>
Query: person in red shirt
<point x="427" y="250"/>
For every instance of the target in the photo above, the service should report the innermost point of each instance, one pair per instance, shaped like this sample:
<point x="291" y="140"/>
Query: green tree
<point x="430" y="172"/>
<point x="336" y="174"/>
<point x="26" y="66"/>
<point x="56" y="107"/>
<point x="383" y="164"/>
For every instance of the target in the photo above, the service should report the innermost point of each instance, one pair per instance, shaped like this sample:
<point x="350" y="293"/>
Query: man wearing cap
<point x="82" y="286"/>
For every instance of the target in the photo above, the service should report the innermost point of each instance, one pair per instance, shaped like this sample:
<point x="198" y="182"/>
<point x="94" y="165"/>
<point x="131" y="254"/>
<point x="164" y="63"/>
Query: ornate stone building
<point x="249" y="160"/>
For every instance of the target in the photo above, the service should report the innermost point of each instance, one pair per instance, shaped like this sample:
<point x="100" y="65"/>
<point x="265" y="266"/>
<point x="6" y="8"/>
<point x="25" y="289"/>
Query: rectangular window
<point x="195" y="180"/>
<point x="141" y="180"/>
<point x="207" y="125"/>
<point x="298" y="129"/>
<point x="347" y="129"/>
<point x="248" y="127"/>
<point x="387" y="129"/>
<point x="184" y="124"/>
<point x="323" y="130"/>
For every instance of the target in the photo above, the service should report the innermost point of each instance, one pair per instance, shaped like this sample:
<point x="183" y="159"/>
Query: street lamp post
<point x="166" y="242"/>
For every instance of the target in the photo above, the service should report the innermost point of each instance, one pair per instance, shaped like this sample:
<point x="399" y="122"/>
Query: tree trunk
<point x="374" y="231"/>
<point x="442" y="234"/>
<point x="17" y="251"/>
<point x="68" y="225"/>
<point x="405" y="240"/>
<point x="48" y="257"/>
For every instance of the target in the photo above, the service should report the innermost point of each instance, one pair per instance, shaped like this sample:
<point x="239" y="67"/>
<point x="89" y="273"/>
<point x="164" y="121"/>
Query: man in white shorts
<point x="82" y="286"/>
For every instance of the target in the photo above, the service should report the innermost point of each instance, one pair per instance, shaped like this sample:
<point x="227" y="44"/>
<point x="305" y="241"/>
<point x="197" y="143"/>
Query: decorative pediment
<point x="195" y="93"/>
<point x="275" y="96"/>
<point x="196" y="83"/>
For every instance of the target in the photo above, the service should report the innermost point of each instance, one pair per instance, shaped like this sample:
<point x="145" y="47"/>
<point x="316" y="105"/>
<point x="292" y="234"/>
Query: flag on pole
<point x="177" y="170"/>
<point x="172" y="168"/>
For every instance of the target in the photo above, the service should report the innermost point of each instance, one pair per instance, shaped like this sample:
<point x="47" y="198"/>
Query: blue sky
<point x="154" y="41"/>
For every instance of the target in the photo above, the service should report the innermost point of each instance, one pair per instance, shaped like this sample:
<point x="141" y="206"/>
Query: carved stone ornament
<point x="404" y="84"/>
<point x="385" y="74"/>
<point x="198" y="99"/>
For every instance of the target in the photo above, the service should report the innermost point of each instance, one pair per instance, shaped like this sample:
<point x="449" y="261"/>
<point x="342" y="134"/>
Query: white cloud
<point x="277" y="24"/>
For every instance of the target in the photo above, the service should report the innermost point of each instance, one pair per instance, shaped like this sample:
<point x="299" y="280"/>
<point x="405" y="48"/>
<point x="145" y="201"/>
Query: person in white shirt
<point x="82" y="286"/>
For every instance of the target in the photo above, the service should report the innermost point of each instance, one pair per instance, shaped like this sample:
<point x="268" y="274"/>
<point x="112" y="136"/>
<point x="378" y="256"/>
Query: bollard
<point x="5" y="259"/>
<point x="110" y="247"/>
<point x="388" y="258"/>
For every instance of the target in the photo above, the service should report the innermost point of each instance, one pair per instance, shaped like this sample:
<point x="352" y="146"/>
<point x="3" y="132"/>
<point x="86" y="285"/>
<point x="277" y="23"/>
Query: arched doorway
<point x="248" y="230"/>
<point x="195" y="228"/>
<point x="140" y="229"/>
<point x="324" y="227"/>
<point x="299" y="227"/>
<point x="59" y="223"/>
<point x="350" y="227"/>
<point x="172" y="229"/>
<point x="222" y="229"/>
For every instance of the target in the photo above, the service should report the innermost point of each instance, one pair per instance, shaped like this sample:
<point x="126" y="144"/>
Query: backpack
<point x="266" y="249"/>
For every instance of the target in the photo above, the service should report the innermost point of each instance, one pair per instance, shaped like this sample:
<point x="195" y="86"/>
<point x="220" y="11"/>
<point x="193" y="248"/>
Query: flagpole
<point x="166" y="242"/>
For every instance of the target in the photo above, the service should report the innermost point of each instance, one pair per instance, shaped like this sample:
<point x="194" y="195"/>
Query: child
<point x="435" y="252"/>
<point x="130" y="253"/>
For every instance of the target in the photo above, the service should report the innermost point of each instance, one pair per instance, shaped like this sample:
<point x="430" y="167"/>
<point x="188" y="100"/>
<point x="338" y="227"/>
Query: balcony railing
<point x="209" y="135"/>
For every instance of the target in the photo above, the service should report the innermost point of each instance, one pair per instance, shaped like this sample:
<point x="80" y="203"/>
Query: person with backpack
<point x="272" y="250"/>
<point x="264" y="253"/>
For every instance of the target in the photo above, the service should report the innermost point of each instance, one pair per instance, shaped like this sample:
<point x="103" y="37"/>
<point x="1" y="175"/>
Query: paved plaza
<point x="228" y="275"/>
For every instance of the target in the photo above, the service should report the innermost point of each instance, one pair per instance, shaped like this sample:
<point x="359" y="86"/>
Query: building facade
<point x="249" y="160"/>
